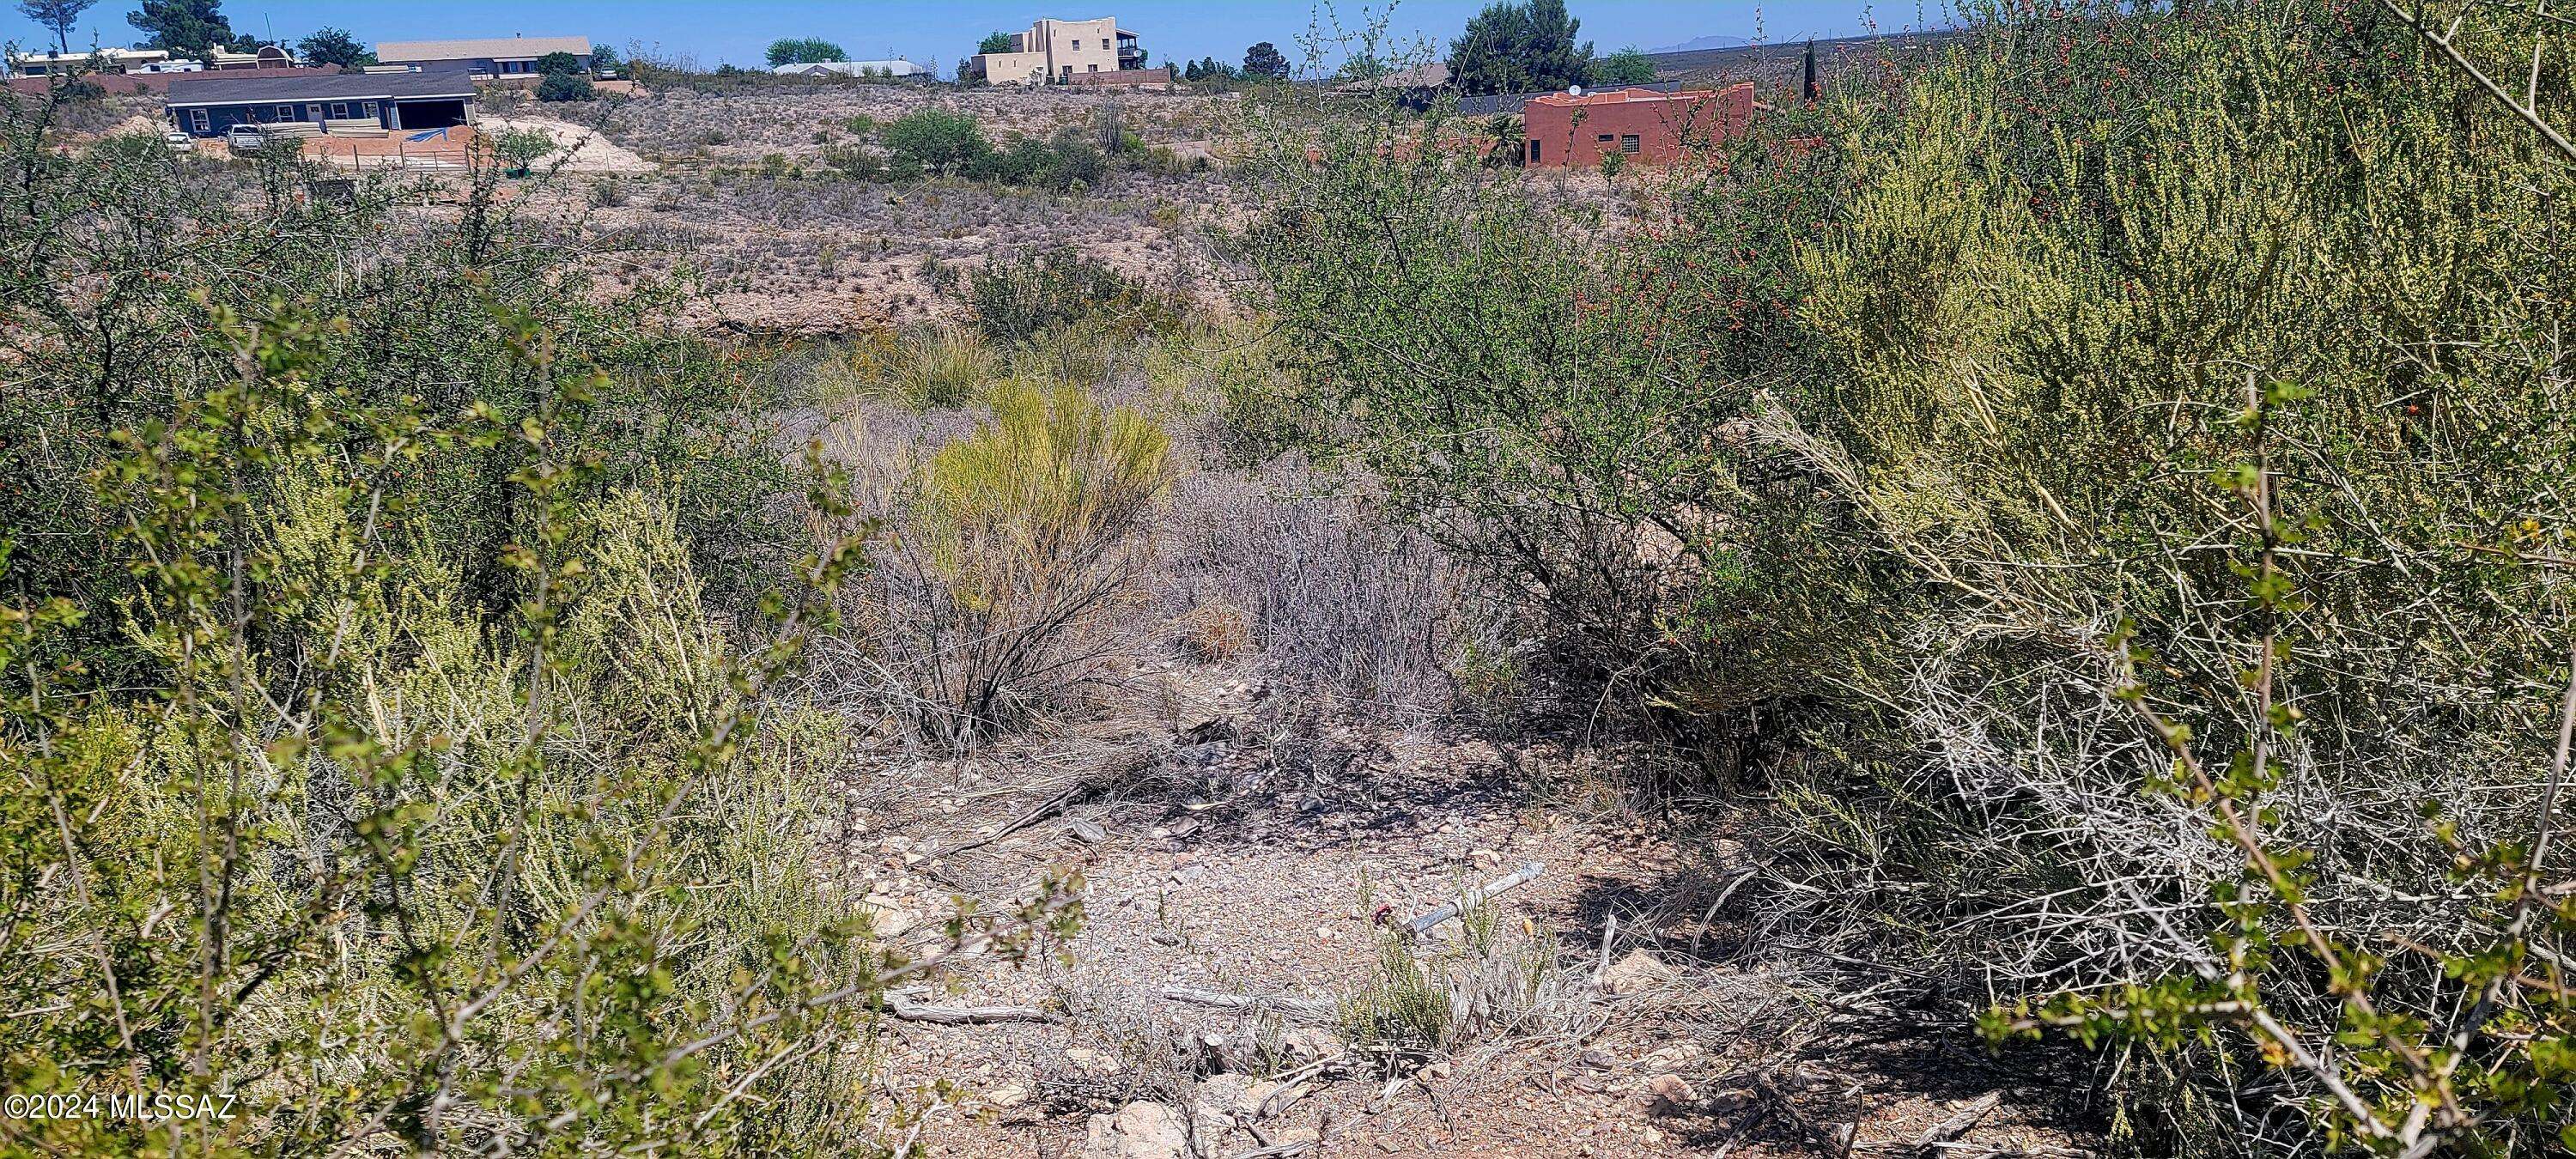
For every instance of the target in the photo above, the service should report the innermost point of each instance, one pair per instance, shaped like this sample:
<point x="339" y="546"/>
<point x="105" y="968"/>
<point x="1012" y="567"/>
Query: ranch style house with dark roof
<point x="206" y="105"/>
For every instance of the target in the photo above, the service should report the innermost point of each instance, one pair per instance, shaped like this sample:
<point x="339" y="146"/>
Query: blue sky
<point x="718" y="32"/>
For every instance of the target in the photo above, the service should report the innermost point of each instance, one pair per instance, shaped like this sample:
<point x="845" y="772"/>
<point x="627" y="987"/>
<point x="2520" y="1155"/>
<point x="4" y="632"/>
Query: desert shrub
<point x="386" y="868"/>
<point x="1063" y="162"/>
<point x="1214" y="632"/>
<point x="1265" y="400"/>
<point x="1521" y="382"/>
<point x="385" y="753"/>
<point x="2110" y="462"/>
<point x="1032" y="292"/>
<point x="1016" y="545"/>
<point x="1346" y="608"/>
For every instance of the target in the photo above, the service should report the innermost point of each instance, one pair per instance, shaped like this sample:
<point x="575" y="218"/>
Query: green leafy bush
<point x="936" y="142"/>
<point x="565" y="86"/>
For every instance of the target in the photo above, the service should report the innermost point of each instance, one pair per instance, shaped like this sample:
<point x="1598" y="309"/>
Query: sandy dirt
<point x="587" y="150"/>
<point x="1238" y="879"/>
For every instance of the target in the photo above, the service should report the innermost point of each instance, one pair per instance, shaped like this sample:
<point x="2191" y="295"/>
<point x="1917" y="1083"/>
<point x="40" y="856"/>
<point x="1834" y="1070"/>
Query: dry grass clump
<point x="925" y="367"/>
<point x="1215" y="632"/>
<point x="1493" y="980"/>
<point x="1343" y="604"/>
<point x="940" y="365"/>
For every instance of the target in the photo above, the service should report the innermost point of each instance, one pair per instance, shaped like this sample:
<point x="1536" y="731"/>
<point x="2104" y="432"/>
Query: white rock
<point x="1310" y="1044"/>
<point x="886" y="916"/>
<point x="1136" y="1131"/>
<point x="1091" y="1062"/>
<point x="1672" y="1057"/>
<point x="1640" y="970"/>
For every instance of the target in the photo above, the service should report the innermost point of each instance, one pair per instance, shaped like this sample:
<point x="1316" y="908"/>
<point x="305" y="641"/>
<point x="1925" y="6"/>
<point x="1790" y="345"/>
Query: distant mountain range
<point x="1701" y="44"/>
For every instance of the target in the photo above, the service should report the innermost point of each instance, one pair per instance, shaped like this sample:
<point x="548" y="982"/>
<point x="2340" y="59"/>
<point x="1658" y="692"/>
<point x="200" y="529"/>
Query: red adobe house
<point x="1646" y="126"/>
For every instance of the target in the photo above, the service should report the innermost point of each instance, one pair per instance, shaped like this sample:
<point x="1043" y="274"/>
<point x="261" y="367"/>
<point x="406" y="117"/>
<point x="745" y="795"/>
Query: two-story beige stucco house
<point x="1057" y="51"/>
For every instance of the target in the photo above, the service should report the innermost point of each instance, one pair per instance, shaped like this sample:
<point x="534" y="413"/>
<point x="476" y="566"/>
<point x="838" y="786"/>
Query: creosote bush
<point x="1030" y="293"/>
<point x="2107" y="482"/>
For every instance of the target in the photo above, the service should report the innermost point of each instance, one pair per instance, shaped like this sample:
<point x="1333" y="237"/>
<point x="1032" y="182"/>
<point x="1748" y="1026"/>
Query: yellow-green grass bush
<point x="1017" y="547"/>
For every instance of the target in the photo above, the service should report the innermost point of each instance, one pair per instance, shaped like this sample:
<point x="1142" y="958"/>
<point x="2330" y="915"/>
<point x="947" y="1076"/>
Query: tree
<point x="1263" y="62"/>
<point x="334" y="46"/>
<point x="997" y="42"/>
<point x="565" y="86"/>
<point x="184" y="27"/>
<point x="1624" y="67"/>
<point x="804" y="50"/>
<point x="558" y="62"/>
<point x="604" y="59"/>
<point x="1516" y="48"/>
<point x="58" y="15"/>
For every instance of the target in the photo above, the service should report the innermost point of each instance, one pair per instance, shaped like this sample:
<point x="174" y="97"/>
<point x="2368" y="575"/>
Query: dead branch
<point x="1958" y="1124"/>
<point x="1308" y="1008"/>
<point x="903" y="1005"/>
<point x="1474" y="897"/>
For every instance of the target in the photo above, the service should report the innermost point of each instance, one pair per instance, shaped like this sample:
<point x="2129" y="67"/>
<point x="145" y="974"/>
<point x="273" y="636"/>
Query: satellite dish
<point x="1574" y="90"/>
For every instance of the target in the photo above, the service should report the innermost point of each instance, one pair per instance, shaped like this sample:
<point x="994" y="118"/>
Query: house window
<point x="339" y="110"/>
<point x="1095" y="68"/>
<point x="286" y="112"/>
<point x="1629" y="144"/>
<point x="198" y="120"/>
<point x="1533" y="153"/>
<point x="1605" y="140"/>
<point x="372" y="115"/>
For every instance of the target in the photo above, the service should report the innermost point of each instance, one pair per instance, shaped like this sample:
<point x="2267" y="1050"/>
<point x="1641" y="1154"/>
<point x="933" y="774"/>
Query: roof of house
<point x="1623" y="96"/>
<point x="1492" y="103"/>
<point x="485" y="48"/>
<point x="216" y="88"/>
<point x="108" y="54"/>
<point x="855" y="68"/>
<point x="1429" y="75"/>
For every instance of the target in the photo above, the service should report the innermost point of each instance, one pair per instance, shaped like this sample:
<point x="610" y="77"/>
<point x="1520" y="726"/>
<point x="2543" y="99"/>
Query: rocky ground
<point x="1212" y="872"/>
<point x="732" y="191"/>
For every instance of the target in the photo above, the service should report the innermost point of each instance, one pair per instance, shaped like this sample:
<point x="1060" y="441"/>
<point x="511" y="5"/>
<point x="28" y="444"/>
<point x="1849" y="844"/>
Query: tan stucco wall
<point x="1056" y="49"/>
